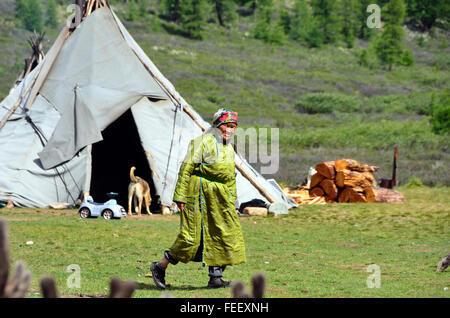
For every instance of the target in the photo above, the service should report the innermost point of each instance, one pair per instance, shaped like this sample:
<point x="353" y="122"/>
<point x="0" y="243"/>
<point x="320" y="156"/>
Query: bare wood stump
<point x="383" y="195"/>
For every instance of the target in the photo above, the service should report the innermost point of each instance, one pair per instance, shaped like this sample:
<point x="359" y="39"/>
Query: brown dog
<point x="138" y="190"/>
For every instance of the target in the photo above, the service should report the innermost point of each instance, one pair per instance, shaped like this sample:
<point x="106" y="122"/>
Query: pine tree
<point x="264" y="14"/>
<point x="349" y="14"/>
<point x="142" y="7"/>
<point x="427" y="12"/>
<point x="388" y="46"/>
<point x="303" y="25"/>
<point x="266" y="27"/>
<point x="364" y="32"/>
<point x="193" y="17"/>
<point x="172" y="9"/>
<point x="21" y="8"/>
<point x="52" y="14"/>
<point x="31" y="15"/>
<point x="132" y="11"/>
<point x="285" y="20"/>
<point x="225" y="11"/>
<point x="326" y="13"/>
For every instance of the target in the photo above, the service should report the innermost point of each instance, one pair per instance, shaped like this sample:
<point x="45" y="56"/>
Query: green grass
<point x="314" y="251"/>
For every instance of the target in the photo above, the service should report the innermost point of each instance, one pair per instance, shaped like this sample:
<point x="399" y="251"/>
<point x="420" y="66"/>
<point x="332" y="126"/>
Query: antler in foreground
<point x="15" y="286"/>
<point x="259" y="287"/>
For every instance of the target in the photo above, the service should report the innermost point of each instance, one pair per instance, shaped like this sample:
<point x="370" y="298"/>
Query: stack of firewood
<point x="301" y="195"/>
<point x="347" y="180"/>
<point x="342" y="181"/>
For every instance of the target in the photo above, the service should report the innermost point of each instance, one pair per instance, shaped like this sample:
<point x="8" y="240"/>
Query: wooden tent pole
<point x="18" y="102"/>
<point x="254" y="182"/>
<point x="48" y="63"/>
<point x="12" y="110"/>
<point x="89" y="8"/>
<point x="40" y="77"/>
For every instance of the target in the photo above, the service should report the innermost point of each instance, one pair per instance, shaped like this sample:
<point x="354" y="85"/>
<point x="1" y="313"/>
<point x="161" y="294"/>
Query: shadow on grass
<point x="174" y="30"/>
<point x="151" y="286"/>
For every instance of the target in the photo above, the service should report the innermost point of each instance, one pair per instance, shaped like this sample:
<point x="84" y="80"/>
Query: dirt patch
<point x="354" y="266"/>
<point x="22" y="218"/>
<point x="348" y="245"/>
<point x="31" y="214"/>
<point x="154" y="216"/>
<point x="422" y="250"/>
<point x="81" y="295"/>
<point x="38" y="211"/>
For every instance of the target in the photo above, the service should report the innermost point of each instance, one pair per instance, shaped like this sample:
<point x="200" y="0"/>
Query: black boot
<point x="217" y="282"/>
<point x="158" y="274"/>
<point x="215" y="277"/>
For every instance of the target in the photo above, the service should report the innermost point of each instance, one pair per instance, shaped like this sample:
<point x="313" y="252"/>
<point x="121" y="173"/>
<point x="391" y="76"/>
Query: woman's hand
<point x="180" y="206"/>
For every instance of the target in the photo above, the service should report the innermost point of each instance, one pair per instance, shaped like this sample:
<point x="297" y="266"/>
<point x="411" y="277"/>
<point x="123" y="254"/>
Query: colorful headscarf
<point x="223" y="116"/>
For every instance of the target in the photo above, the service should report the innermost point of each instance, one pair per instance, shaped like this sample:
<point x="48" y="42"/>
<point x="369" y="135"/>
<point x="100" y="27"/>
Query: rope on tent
<point x="180" y="134"/>
<point x="21" y="93"/>
<point x="170" y="151"/>
<point x="43" y="141"/>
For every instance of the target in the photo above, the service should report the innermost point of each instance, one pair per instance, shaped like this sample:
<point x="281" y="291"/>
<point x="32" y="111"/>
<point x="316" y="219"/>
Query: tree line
<point x="298" y="19"/>
<point x="312" y="23"/>
<point x="34" y="17"/>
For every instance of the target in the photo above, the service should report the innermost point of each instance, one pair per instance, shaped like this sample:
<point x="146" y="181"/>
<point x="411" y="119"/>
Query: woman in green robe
<point x="205" y="194"/>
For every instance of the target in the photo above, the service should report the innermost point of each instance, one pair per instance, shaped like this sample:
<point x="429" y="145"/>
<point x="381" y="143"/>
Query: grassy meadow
<point x="315" y="251"/>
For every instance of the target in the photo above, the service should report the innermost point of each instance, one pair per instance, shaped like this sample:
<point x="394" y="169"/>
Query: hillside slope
<point x="325" y="105"/>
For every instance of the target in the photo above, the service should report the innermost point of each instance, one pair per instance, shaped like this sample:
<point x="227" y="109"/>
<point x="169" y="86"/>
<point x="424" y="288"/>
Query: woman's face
<point x="227" y="130"/>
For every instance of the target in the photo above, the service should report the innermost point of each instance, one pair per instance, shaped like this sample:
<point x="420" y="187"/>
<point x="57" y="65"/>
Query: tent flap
<point x="75" y="130"/>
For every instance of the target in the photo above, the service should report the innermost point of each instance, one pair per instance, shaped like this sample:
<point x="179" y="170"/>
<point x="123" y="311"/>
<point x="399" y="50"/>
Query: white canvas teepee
<point x="87" y="81"/>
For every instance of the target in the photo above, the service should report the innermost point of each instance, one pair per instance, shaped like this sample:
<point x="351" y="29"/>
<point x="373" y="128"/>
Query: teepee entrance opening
<point x="112" y="159"/>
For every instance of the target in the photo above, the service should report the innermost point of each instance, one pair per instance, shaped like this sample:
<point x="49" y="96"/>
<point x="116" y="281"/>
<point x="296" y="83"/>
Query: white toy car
<point x="108" y="210"/>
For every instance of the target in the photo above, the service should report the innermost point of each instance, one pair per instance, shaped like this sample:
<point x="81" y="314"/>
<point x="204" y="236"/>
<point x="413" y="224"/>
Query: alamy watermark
<point x="74" y="19"/>
<point x="374" y="280"/>
<point x="374" y="19"/>
<point x="74" y="279"/>
<point x="251" y="143"/>
<point x="259" y="142"/>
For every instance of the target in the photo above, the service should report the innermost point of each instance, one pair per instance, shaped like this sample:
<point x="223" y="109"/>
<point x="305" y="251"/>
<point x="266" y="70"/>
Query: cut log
<point x="350" y="164"/>
<point x="326" y="169"/>
<point x="255" y="211"/>
<point x="165" y="210"/>
<point x="369" y="176"/>
<point x="330" y="188"/>
<point x="358" y="189"/>
<point x="299" y="196"/>
<point x="370" y="193"/>
<point x="315" y="180"/>
<point x="347" y="178"/>
<point x="318" y="200"/>
<point x="317" y="191"/>
<point x="351" y="195"/>
<point x="328" y="200"/>
<point x="383" y="195"/>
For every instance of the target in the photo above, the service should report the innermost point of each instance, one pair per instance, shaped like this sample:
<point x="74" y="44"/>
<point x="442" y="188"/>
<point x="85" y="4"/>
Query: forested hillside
<point x="335" y="85"/>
